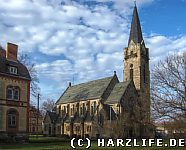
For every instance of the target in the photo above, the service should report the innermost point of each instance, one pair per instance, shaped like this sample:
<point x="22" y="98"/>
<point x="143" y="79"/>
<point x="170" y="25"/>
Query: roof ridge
<point x="91" y="81"/>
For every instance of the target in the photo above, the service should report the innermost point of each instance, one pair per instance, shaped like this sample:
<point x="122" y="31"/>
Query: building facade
<point x="14" y="95"/>
<point x="35" y="121"/>
<point x="107" y="107"/>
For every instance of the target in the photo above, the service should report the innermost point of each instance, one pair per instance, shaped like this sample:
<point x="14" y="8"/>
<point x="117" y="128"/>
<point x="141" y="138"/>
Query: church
<point x="107" y="107"/>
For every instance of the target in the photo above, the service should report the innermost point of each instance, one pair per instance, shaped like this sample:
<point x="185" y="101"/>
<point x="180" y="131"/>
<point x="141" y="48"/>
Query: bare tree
<point x="168" y="88"/>
<point x="34" y="88"/>
<point x="48" y="105"/>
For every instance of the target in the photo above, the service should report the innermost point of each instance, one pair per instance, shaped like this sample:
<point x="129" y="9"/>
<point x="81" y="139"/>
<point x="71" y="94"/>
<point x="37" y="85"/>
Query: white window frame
<point x="13" y="93"/>
<point x="13" y="70"/>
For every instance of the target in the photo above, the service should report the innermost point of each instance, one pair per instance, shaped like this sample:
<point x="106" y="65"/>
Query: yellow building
<point x="14" y="95"/>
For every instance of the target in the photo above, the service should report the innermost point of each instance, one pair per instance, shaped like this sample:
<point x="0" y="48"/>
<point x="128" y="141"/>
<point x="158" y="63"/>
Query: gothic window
<point x="95" y="106"/>
<point x="92" y="110"/>
<point x="77" y="108"/>
<point x="68" y="109"/>
<point x="84" y="108"/>
<point x="131" y="72"/>
<point x="12" y="118"/>
<point x="64" y="109"/>
<point x="73" y="110"/>
<point x="77" y="129"/>
<point x="81" y="110"/>
<point x="67" y="128"/>
<point x="88" y="128"/>
<point x="12" y="93"/>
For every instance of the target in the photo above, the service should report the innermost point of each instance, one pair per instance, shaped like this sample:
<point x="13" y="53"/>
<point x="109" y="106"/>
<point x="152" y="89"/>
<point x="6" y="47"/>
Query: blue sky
<point x="79" y="41"/>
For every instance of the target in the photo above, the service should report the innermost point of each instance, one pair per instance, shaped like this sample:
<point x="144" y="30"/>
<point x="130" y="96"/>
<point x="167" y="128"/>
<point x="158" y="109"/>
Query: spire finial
<point x="135" y="3"/>
<point x="135" y="31"/>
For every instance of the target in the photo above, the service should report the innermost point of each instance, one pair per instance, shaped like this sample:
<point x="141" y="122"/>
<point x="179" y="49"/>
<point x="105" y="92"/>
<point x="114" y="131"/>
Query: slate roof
<point x="117" y="92"/>
<point x="89" y="90"/>
<point x="53" y="116"/>
<point x="22" y="70"/>
<point x="135" y="31"/>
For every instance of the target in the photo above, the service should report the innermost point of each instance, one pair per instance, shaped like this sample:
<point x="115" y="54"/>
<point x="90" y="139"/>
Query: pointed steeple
<point x="135" y="31"/>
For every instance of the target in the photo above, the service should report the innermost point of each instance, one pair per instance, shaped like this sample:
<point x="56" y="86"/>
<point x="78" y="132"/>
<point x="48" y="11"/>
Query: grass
<point x="52" y="143"/>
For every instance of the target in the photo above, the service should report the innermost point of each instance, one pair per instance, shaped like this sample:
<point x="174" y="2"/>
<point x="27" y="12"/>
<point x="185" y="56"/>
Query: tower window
<point x="131" y="71"/>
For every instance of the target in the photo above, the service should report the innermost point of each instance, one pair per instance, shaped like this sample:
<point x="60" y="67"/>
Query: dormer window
<point x="12" y="70"/>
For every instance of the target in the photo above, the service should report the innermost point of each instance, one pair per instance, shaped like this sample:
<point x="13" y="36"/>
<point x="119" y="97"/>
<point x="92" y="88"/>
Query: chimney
<point x="70" y="84"/>
<point x="2" y="52"/>
<point x="11" y="53"/>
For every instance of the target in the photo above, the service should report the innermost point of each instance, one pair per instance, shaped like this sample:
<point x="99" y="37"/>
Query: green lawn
<point x="60" y="144"/>
<point x="66" y="146"/>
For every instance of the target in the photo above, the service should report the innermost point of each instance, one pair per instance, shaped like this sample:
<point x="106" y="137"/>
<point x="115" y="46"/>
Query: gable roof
<point x="89" y="90"/>
<point x="117" y="93"/>
<point x="22" y="70"/>
<point x="53" y="116"/>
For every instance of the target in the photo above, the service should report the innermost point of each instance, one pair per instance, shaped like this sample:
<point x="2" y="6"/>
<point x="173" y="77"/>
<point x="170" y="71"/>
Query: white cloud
<point x="160" y="46"/>
<point x="80" y="42"/>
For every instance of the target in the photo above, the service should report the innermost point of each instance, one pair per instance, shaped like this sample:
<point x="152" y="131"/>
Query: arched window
<point x="64" y="109"/>
<point x="84" y="109"/>
<point x="81" y="110"/>
<point x="131" y="72"/>
<point x="73" y="109"/>
<point x="95" y="107"/>
<point x="92" y="110"/>
<point x="13" y="93"/>
<point x="12" y="118"/>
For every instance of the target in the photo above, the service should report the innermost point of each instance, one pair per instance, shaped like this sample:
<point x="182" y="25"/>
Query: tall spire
<point x="135" y="31"/>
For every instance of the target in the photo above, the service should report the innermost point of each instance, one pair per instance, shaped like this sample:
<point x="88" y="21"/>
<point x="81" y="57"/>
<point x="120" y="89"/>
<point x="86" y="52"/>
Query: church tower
<point x="136" y="66"/>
